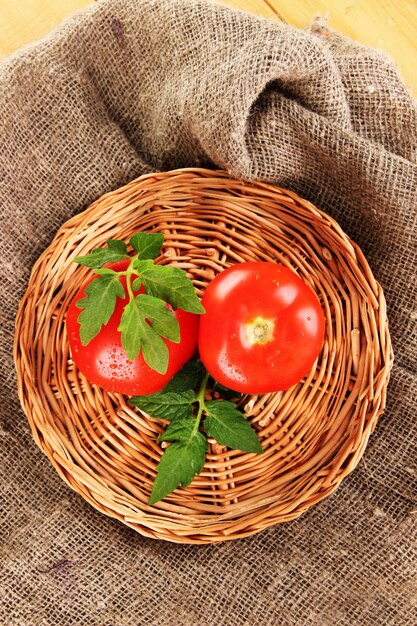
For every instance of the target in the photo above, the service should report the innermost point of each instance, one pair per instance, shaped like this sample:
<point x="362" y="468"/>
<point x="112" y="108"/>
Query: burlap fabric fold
<point x="129" y="87"/>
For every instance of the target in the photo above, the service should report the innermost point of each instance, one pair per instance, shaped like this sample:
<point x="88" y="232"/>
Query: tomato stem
<point x="128" y="273"/>
<point x="260" y="331"/>
<point x="200" y="400"/>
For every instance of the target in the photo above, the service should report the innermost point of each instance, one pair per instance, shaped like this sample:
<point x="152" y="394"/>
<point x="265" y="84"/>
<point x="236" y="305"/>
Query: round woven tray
<point x="313" y="434"/>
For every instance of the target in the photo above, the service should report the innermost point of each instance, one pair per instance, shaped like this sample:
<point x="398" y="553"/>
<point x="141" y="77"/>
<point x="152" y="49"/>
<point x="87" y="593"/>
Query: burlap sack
<point x="129" y="87"/>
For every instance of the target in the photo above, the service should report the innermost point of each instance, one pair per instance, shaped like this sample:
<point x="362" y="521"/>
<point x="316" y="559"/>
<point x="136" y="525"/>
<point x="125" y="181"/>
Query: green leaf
<point x="189" y="377"/>
<point x="230" y="428"/>
<point x="147" y="245"/>
<point x="116" y="251"/>
<point x="170" y="284"/>
<point x="137" y="283"/>
<point x="181" y="461"/>
<point x="138" y="335"/>
<point x="131" y="328"/>
<point x="155" y="351"/>
<point x="170" y="405"/>
<point x="98" y="305"/>
<point x="161" y="318"/>
<point x="105" y="270"/>
<point x="116" y="244"/>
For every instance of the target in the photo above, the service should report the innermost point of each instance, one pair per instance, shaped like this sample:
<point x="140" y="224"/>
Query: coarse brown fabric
<point x="129" y="87"/>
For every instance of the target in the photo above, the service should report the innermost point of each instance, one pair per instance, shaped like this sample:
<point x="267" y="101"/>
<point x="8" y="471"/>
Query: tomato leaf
<point x="186" y="455"/>
<point x="170" y="284"/>
<point x="146" y="321"/>
<point x="176" y="399"/>
<point x="105" y="270"/>
<point x="147" y="245"/>
<point x="116" y="251"/>
<point x="137" y="334"/>
<point x="181" y="461"/>
<point x="116" y="244"/>
<point x="131" y="328"/>
<point x="160" y="317"/>
<point x="98" y="305"/>
<point x="170" y="405"/>
<point x="229" y="427"/>
<point x="137" y="283"/>
<point x="154" y="350"/>
<point x="189" y="377"/>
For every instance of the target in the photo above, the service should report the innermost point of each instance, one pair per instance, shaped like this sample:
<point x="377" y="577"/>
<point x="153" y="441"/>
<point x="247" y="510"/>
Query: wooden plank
<point x="389" y="25"/>
<point x="23" y="21"/>
<point x="263" y="8"/>
<point x="27" y="20"/>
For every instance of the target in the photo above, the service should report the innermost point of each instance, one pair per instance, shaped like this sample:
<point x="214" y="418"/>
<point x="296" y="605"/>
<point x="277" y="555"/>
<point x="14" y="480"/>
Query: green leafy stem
<point x="146" y="319"/>
<point x="192" y="419"/>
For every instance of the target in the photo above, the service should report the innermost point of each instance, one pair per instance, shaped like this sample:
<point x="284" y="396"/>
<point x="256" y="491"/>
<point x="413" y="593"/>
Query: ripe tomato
<point x="103" y="360"/>
<point x="262" y="330"/>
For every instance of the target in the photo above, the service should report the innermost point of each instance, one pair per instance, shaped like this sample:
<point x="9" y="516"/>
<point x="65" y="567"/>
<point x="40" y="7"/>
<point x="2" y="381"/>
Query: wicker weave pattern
<point x="313" y="434"/>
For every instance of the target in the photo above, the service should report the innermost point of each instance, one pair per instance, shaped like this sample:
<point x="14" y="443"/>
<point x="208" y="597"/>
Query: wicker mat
<point x="129" y="87"/>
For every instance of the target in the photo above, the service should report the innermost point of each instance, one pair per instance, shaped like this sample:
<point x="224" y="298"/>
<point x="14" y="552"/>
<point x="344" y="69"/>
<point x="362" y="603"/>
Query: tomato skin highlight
<point x="103" y="360"/>
<point x="263" y="328"/>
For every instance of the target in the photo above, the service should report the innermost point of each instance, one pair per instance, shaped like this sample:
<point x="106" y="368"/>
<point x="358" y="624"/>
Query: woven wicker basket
<point x="313" y="434"/>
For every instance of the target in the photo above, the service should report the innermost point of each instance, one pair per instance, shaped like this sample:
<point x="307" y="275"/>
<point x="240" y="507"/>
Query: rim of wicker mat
<point x="313" y="434"/>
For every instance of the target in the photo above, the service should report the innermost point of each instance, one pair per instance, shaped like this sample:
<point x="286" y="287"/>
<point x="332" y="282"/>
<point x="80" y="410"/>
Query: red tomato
<point x="103" y="360"/>
<point x="263" y="328"/>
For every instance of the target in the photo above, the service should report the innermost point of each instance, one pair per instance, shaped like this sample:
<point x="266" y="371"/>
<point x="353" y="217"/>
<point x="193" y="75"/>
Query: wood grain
<point x="385" y="24"/>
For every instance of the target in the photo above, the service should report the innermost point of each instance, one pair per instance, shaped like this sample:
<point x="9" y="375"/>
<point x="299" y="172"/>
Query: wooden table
<point x="390" y="25"/>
